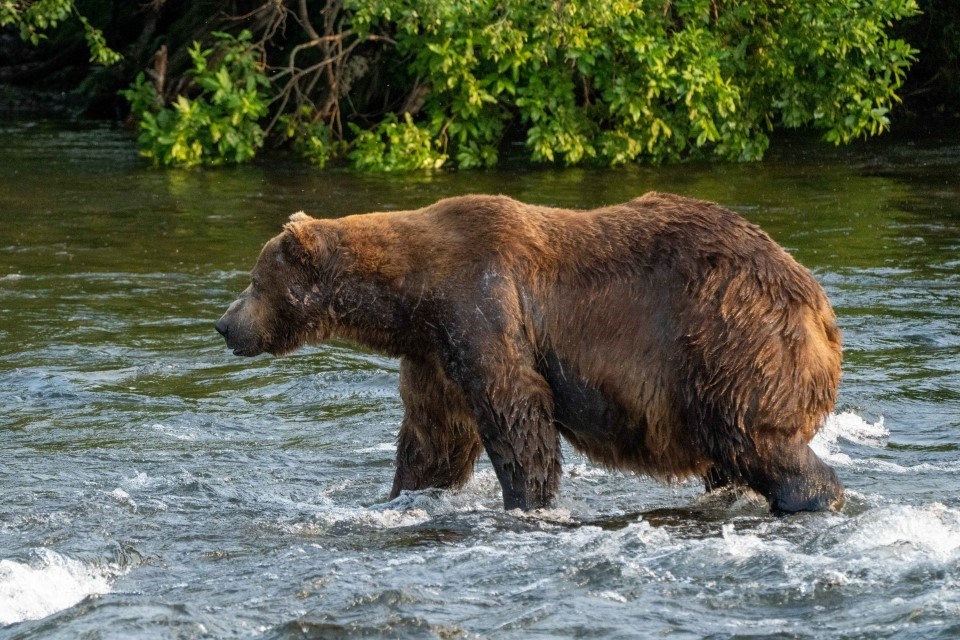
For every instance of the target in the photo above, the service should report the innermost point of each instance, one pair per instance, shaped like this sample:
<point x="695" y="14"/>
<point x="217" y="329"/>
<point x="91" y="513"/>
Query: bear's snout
<point x="223" y="328"/>
<point x="238" y="332"/>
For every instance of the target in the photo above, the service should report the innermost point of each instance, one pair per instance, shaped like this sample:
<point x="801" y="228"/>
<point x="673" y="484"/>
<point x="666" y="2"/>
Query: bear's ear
<point x="306" y="238"/>
<point x="299" y="216"/>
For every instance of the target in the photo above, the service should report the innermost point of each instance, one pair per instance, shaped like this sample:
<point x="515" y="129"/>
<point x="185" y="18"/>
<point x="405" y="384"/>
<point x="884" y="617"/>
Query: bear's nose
<point x="222" y="327"/>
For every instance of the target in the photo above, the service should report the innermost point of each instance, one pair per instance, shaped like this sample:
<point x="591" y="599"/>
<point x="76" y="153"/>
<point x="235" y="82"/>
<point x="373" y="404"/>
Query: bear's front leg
<point x="513" y="405"/>
<point x="438" y="442"/>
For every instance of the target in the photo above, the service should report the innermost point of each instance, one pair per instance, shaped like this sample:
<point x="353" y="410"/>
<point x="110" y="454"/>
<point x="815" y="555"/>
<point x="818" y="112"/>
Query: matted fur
<point x="665" y="335"/>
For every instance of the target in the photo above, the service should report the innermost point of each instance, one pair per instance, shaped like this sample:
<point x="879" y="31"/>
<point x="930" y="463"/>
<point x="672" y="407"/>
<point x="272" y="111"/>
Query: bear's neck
<point x="371" y="315"/>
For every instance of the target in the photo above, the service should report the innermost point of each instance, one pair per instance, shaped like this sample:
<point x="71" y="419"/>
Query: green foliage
<point x="221" y="124"/>
<point x="310" y="136"/>
<point x="33" y="18"/>
<point x="395" y="146"/>
<point x="100" y="53"/>
<point x="616" y="81"/>
<point x="455" y="82"/>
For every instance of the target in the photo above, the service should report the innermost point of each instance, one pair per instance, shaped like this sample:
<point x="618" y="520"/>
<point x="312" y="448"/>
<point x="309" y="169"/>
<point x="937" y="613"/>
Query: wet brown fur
<point x="665" y="335"/>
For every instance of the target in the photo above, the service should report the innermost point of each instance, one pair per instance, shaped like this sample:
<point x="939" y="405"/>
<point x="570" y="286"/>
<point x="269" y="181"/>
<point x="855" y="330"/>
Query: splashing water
<point x="154" y="486"/>
<point x="48" y="583"/>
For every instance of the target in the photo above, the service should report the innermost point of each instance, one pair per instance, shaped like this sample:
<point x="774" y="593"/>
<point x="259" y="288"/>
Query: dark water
<point x="154" y="486"/>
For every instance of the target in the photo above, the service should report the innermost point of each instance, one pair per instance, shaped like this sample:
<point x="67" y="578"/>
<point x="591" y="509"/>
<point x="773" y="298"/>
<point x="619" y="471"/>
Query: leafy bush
<point x="395" y="146"/>
<point x="221" y="124"/>
<point x="310" y="136"/>
<point x="33" y="19"/>
<point x="452" y="82"/>
<point x="615" y="81"/>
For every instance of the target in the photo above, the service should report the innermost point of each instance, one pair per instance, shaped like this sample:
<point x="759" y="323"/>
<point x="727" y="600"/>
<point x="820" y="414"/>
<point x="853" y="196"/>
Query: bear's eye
<point x="256" y="287"/>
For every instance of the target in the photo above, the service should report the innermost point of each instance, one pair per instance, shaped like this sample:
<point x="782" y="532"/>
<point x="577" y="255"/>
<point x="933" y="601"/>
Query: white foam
<point x="370" y="518"/>
<point x="553" y="516"/>
<point x="931" y="531"/>
<point x="179" y="433"/>
<point x="892" y="467"/>
<point x="850" y="427"/>
<point x="123" y="497"/>
<point x="742" y="545"/>
<point x="585" y="470"/>
<point x="874" y="550"/>
<point x="853" y="428"/>
<point x="49" y="583"/>
<point x="140" y="481"/>
<point x="388" y="447"/>
<point x="613" y="595"/>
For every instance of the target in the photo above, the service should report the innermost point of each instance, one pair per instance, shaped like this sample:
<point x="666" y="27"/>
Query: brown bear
<point x="667" y="336"/>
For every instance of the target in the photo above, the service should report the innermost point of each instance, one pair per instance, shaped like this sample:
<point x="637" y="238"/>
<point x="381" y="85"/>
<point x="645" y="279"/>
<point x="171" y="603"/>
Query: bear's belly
<point x="592" y="422"/>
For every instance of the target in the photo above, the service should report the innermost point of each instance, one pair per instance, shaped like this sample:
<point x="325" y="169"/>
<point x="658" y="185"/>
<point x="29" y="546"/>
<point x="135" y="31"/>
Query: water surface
<point x="153" y="485"/>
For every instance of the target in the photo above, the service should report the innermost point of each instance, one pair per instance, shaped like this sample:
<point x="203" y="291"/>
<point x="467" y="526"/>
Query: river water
<point x="154" y="486"/>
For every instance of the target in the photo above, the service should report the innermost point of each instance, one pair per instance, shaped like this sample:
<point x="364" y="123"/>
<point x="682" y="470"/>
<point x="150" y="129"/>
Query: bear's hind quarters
<point x="797" y="481"/>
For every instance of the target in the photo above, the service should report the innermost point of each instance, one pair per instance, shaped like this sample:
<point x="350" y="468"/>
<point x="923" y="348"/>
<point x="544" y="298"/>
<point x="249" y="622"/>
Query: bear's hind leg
<point x="438" y="443"/>
<point x="793" y="478"/>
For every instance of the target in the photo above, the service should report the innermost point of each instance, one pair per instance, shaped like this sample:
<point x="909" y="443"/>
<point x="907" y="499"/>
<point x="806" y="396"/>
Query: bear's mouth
<point x="245" y="350"/>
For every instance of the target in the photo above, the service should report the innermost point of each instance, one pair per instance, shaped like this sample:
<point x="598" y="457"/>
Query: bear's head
<point x="288" y="301"/>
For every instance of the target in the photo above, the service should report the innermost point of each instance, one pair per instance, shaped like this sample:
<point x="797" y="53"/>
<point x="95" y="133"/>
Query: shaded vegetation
<point x="404" y="84"/>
